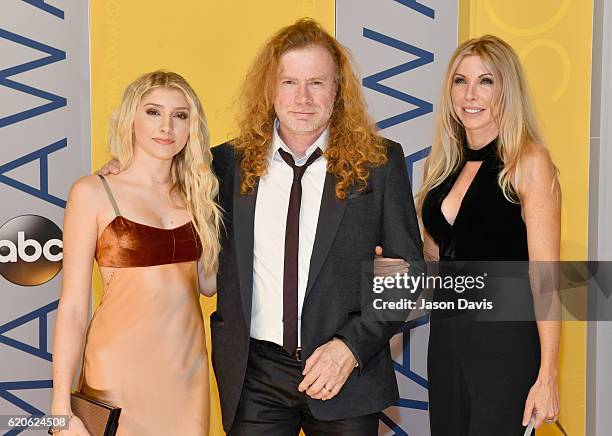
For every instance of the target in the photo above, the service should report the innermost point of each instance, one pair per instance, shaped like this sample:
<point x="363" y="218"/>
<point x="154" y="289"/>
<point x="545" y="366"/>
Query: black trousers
<point x="271" y="405"/>
<point x="479" y="376"/>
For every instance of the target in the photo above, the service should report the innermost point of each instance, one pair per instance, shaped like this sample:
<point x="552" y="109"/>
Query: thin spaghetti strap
<point x="110" y="195"/>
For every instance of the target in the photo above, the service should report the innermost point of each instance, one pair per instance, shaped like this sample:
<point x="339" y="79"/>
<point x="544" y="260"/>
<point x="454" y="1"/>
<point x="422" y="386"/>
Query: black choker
<point x="486" y="152"/>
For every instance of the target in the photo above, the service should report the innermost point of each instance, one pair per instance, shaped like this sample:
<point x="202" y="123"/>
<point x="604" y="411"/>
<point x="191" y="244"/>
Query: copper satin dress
<point x="146" y="348"/>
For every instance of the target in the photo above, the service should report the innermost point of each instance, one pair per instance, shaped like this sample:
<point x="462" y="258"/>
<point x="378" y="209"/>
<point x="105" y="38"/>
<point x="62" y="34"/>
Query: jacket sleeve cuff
<point x="359" y="364"/>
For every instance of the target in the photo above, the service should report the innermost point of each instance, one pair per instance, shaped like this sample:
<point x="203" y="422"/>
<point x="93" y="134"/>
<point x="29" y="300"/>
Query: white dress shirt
<point x="269" y="235"/>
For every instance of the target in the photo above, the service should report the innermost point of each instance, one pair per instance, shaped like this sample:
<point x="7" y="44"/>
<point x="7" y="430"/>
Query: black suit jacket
<point x="347" y="233"/>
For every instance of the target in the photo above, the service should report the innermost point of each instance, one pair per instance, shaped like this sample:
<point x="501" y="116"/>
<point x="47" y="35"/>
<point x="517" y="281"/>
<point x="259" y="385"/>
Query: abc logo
<point x="30" y="250"/>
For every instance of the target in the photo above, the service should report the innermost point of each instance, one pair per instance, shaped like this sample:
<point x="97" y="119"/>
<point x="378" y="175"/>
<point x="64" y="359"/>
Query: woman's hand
<point x="75" y="428"/>
<point x="542" y="402"/>
<point x="387" y="266"/>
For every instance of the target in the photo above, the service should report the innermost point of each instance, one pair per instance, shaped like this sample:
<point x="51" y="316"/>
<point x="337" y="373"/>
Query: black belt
<point x="268" y="345"/>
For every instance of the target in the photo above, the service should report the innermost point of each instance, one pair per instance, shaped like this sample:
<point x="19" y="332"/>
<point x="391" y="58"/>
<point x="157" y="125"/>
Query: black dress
<point x="479" y="372"/>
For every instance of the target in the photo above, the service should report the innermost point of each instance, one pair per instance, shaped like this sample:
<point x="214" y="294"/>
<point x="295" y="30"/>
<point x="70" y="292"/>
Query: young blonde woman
<point x="153" y="229"/>
<point x="490" y="194"/>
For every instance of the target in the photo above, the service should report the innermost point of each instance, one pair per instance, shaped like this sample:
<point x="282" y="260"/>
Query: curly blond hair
<point x="353" y="145"/>
<point x="192" y="174"/>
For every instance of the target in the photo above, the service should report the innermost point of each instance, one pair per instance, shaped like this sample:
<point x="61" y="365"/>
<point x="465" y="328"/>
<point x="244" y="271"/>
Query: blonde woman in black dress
<point x="490" y="194"/>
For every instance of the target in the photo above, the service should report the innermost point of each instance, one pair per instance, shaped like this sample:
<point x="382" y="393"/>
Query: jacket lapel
<point x="330" y="216"/>
<point x="243" y="222"/>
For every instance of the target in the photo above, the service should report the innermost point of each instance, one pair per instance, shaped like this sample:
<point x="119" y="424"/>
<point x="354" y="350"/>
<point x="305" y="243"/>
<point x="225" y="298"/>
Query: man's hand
<point x="111" y="167"/>
<point x="327" y="369"/>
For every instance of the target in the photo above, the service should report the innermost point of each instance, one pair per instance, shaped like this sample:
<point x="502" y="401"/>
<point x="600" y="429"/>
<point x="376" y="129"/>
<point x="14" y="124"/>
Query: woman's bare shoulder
<point x="87" y="191"/>
<point x="536" y="155"/>
<point x="537" y="168"/>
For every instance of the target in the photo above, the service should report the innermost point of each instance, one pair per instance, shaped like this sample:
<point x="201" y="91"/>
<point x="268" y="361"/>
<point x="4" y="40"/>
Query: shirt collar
<point x="277" y="143"/>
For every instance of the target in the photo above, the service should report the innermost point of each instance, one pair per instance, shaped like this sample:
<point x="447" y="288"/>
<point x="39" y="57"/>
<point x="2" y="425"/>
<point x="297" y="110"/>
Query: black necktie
<point x="292" y="239"/>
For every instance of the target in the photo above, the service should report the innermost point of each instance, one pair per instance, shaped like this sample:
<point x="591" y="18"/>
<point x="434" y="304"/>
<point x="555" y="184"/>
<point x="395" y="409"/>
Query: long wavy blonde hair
<point x="516" y="119"/>
<point x="353" y="145"/>
<point x="192" y="175"/>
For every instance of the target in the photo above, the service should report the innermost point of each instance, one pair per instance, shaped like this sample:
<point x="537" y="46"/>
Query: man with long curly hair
<point x="308" y="190"/>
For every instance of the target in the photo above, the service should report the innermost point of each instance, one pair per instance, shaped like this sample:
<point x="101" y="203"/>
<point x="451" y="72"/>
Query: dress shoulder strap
<point x="110" y="194"/>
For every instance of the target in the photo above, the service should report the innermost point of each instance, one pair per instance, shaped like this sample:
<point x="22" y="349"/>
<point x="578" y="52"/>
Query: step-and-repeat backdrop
<point x="45" y="144"/>
<point x="401" y="49"/>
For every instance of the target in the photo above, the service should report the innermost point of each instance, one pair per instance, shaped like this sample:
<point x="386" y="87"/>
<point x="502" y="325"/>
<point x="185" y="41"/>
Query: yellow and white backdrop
<point x="400" y="48"/>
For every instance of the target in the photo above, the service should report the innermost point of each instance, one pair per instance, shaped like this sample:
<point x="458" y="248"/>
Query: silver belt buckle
<point x="298" y="354"/>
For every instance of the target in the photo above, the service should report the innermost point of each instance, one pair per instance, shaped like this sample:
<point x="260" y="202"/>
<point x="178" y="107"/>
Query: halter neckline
<point x="486" y="152"/>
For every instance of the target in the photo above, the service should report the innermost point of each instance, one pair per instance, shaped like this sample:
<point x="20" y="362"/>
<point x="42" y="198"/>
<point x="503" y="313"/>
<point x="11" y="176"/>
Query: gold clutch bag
<point x="100" y="419"/>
